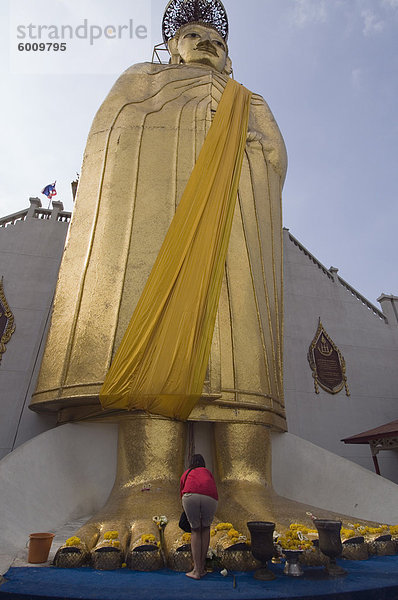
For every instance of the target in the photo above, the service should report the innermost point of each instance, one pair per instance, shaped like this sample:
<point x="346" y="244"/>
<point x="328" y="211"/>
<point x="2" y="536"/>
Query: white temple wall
<point x="369" y="345"/>
<point x="31" y="246"/>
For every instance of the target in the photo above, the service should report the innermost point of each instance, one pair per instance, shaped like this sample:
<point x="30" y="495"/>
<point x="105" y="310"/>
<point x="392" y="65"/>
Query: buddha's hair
<point x="178" y="33"/>
<point x="184" y="12"/>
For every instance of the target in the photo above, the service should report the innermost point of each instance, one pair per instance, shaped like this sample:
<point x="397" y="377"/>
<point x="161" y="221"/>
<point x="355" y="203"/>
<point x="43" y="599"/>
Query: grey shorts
<point x="199" y="509"/>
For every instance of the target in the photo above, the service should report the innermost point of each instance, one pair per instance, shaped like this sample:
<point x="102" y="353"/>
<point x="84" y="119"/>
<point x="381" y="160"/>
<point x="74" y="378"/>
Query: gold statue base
<point x="150" y="462"/>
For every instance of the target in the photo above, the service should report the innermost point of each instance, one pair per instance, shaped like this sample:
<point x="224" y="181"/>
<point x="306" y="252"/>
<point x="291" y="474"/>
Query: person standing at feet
<point x="199" y="495"/>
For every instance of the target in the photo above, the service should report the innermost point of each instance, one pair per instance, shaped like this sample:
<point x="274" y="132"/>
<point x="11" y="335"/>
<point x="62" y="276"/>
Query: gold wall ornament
<point x="327" y="363"/>
<point x="7" y="326"/>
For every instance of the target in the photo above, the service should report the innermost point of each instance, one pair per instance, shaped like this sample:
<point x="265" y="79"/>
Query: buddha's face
<point x="200" y="44"/>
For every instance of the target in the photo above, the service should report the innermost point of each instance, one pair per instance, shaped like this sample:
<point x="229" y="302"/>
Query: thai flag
<point x="49" y="190"/>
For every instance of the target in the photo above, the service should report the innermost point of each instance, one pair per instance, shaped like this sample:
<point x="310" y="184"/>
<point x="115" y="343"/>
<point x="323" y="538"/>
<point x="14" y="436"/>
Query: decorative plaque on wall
<point x="7" y="326"/>
<point x="327" y="363"/>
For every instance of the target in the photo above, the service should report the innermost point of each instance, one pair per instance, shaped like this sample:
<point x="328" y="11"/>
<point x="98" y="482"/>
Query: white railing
<point x="37" y="212"/>
<point x="310" y="256"/>
<point x="362" y="299"/>
<point x="12" y="219"/>
<point x="332" y="275"/>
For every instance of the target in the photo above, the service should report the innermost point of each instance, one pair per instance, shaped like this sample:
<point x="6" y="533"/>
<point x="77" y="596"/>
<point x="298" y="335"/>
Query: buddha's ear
<point x="173" y="49"/>
<point x="228" y="66"/>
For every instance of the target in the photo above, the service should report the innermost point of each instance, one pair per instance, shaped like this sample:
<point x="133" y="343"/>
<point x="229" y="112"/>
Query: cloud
<point x="306" y="12"/>
<point x="390" y="4"/>
<point x="372" y="24"/>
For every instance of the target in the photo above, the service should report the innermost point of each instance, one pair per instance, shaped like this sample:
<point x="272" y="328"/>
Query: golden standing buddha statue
<point x="143" y="145"/>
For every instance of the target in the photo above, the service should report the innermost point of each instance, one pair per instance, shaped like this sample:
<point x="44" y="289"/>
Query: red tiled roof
<point x="384" y="431"/>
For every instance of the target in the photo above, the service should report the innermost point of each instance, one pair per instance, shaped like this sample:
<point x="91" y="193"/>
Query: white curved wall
<point x="307" y="473"/>
<point x="58" y="476"/>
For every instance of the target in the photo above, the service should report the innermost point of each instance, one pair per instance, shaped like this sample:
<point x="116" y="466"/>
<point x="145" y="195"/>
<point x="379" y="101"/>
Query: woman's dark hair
<point x="197" y="461"/>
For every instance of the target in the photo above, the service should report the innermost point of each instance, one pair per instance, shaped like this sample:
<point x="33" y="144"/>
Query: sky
<point x="327" y="68"/>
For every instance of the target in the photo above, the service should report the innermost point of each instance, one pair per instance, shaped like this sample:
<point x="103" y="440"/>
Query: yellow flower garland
<point x="295" y="537"/>
<point x="348" y="533"/>
<point x="223" y="526"/>
<point x="111" y="535"/>
<point x="233" y="533"/>
<point x="148" y="538"/>
<point x="394" y="529"/>
<point x="73" y="541"/>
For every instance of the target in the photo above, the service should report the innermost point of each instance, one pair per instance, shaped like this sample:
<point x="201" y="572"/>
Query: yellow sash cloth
<point x="160" y="365"/>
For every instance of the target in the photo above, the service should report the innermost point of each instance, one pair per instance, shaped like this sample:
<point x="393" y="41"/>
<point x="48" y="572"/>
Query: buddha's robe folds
<point x="141" y="150"/>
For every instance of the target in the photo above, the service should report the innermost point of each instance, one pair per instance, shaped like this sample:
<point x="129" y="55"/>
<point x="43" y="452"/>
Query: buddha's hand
<point x="254" y="136"/>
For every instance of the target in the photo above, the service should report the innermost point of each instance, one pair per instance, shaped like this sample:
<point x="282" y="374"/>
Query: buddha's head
<point x="196" y="32"/>
<point x="199" y="43"/>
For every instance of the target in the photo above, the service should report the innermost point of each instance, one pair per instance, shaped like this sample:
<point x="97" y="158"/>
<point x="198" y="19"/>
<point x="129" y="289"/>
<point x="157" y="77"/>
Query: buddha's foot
<point x="247" y="501"/>
<point x="127" y="529"/>
<point x="244" y="458"/>
<point x="130" y="529"/>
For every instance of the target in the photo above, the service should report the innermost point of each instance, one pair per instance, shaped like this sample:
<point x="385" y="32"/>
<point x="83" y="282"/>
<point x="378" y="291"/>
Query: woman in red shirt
<point x="199" y="499"/>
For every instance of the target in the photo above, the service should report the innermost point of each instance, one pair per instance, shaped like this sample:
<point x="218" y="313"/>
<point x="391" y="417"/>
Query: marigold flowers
<point x="186" y="538"/>
<point x="394" y="529"/>
<point x="148" y="538"/>
<point x="295" y="537"/>
<point x="347" y="533"/>
<point x="300" y="527"/>
<point x="374" y="530"/>
<point x="223" y="526"/>
<point x="73" y="541"/>
<point x="232" y="533"/>
<point x="235" y="537"/>
<point x="111" y="535"/>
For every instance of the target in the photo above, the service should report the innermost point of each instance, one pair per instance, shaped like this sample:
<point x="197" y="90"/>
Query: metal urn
<point x="330" y="544"/>
<point x="262" y="545"/>
<point x="292" y="566"/>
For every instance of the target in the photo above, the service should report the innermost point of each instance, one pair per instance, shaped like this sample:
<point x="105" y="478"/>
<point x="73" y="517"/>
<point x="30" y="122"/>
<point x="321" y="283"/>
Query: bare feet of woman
<point x="193" y="574"/>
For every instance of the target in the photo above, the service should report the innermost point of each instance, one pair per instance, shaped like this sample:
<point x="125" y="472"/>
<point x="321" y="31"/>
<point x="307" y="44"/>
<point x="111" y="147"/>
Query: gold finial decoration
<point x="7" y="326"/>
<point x="324" y="347"/>
<point x="327" y="363"/>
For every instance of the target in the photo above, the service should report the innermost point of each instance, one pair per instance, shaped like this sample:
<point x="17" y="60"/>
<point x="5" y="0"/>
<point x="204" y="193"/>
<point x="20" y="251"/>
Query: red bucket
<point x="39" y="547"/>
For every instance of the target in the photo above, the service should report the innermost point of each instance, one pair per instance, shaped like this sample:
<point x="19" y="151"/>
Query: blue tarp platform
<point x="373" y="579"/>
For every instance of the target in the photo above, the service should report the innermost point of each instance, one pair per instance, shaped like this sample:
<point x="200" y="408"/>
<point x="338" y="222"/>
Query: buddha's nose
<point x="207" y="45"/>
